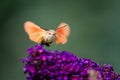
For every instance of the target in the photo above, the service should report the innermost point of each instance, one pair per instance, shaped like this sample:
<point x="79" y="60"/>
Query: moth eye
<point x="49" y="33"/>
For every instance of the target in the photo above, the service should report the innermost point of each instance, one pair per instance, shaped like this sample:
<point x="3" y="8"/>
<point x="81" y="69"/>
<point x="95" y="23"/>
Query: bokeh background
<point x="95" y="30"/>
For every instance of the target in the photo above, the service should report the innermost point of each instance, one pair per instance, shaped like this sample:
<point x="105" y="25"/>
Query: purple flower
<point x="43" y="64"/>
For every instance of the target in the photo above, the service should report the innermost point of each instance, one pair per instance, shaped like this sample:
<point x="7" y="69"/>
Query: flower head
<point x="43" y="64"/>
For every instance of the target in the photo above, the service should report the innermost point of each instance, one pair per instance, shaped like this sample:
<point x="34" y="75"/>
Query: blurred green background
<point x="95" y="30"/>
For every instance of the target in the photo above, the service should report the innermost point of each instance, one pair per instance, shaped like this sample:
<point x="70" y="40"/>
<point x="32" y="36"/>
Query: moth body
<point x="49" y="37"/>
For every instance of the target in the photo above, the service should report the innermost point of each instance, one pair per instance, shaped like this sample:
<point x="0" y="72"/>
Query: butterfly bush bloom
<point x="42" y="64"/>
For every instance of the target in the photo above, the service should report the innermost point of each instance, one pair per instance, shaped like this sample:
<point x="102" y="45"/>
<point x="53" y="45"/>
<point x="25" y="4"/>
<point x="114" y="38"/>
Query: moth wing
<point x="34" y="32"/>
<point x="62" y="33"/>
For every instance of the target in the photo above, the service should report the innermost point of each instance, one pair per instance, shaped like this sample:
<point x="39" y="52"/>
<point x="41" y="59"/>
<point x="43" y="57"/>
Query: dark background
<point x="95" y="30"/>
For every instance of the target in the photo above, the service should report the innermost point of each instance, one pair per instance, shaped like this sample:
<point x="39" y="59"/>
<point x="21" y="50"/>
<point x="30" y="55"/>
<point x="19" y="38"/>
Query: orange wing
<point x="34" y="32"/>
<point x="62" y="33"/>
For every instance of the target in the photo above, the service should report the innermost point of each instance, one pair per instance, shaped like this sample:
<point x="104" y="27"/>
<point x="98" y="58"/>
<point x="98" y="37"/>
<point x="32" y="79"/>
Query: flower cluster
<point x="42" y="64"/>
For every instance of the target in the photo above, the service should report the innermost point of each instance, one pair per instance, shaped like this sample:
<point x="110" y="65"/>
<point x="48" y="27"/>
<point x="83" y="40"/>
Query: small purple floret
<point x="43" y="64"/>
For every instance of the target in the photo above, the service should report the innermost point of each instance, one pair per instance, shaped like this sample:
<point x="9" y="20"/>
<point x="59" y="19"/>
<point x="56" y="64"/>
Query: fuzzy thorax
<point x="49" y="36"/>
